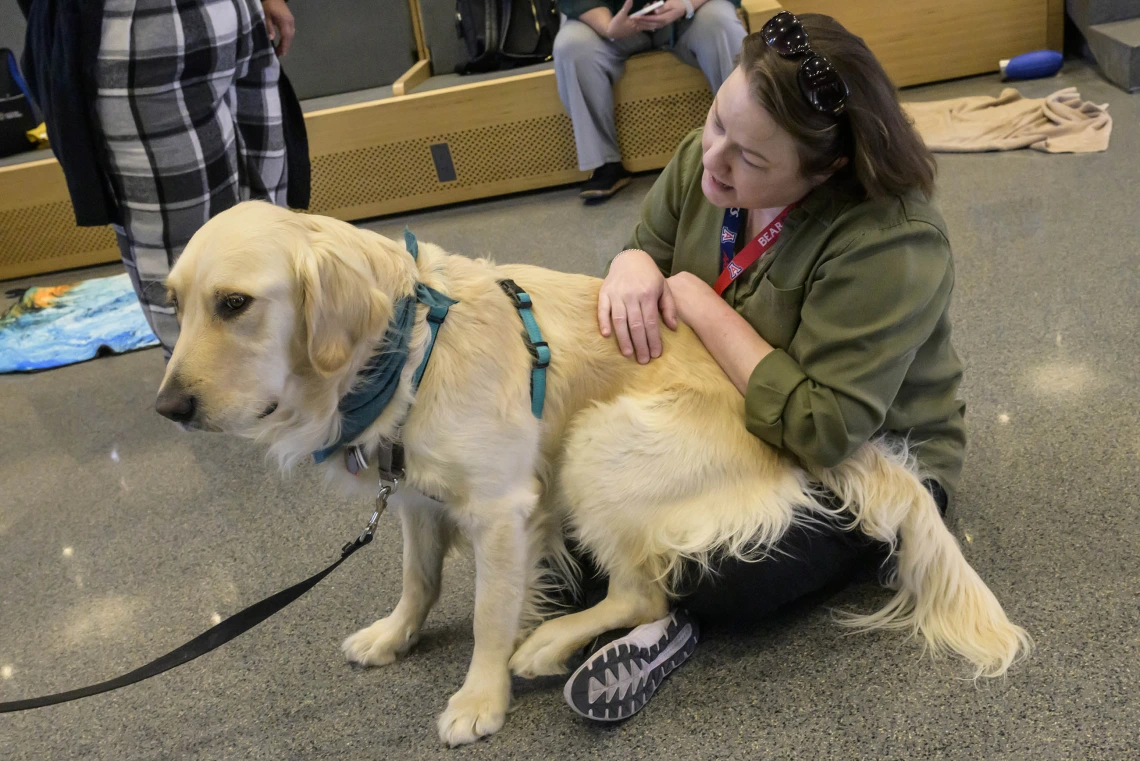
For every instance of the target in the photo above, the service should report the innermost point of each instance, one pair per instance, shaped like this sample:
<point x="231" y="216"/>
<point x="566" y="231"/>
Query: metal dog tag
<point x="354" y="461"/>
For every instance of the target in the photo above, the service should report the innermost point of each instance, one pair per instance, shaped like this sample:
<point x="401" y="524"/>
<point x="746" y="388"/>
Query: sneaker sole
<point x="589" y="194"/>
<point x="647" y="667"/>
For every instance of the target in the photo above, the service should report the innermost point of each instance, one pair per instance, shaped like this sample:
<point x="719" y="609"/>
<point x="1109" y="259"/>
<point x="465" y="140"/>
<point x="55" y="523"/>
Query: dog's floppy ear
<point x="342" y="303"/>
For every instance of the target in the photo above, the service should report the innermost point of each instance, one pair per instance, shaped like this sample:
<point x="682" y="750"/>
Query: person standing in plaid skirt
<point x="184" y="119"/>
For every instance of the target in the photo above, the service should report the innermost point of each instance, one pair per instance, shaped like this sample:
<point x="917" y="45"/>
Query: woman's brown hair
<point x="885" y="155"/>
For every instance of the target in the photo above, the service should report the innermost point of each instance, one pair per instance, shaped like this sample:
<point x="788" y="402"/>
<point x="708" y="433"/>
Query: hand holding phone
<point x="648" y="9"/>
<point x="625" y="24"/>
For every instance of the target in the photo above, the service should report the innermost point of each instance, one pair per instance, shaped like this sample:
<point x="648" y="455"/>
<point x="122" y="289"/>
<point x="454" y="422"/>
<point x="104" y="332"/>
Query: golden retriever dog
<point x="646" y="466"/>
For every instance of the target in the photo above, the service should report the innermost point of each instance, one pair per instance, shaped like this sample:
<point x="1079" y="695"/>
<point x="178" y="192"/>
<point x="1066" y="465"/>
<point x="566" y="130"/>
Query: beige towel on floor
<point x="1061" y="123"/>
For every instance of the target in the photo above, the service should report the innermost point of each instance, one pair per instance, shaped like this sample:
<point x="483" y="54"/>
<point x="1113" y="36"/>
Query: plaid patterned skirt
<point x="188" y="108"/>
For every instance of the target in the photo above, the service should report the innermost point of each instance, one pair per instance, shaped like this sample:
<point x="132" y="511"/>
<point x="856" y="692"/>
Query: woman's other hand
<point x="693" y="298"/>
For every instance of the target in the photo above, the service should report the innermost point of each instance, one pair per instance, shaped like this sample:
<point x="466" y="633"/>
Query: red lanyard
<point x="733" y="266"/>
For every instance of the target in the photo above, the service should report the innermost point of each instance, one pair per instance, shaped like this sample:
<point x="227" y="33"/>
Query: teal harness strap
<point x="380" y="378"/>
<point x="437" y="305"/>
<point x="539" y="349"/>
<point x="436" y="302"/>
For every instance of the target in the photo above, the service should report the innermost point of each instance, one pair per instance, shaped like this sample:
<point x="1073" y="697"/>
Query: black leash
<point x="211" y="639"/>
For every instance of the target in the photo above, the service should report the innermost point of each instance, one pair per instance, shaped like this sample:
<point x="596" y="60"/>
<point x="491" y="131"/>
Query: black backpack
<point x="16" y="116"/>
<point x="502" y="34"/>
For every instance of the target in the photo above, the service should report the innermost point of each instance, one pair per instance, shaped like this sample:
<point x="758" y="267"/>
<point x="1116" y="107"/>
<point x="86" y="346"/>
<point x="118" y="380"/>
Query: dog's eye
<point x="233" y="303"/>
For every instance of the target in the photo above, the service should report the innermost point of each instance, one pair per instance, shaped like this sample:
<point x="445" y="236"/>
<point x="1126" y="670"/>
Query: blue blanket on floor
<point x="65" y="324"/>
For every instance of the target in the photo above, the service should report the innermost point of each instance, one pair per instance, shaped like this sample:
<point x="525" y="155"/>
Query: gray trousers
<point x="587" y="67"/>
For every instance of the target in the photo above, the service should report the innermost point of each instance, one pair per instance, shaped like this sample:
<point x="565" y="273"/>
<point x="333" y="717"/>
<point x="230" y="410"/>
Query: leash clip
<point x="365" y="535"/>
<point x="387" y="489"/>
<point x="390" y="474"/>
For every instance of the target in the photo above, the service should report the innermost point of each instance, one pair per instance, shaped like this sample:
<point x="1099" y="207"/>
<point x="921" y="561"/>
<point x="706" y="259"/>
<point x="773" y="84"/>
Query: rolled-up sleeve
<point x="869" y="310"/>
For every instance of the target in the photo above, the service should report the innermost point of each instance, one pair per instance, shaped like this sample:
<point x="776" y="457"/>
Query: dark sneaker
<point x="617" y="681"/>
<point x="605" y="181"/>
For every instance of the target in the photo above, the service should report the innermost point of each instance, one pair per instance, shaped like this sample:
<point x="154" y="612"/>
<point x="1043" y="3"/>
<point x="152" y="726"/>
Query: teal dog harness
<point x="380" y="378"/>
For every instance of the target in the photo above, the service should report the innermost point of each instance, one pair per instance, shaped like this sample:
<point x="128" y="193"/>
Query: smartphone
<point x="648" y="9"/>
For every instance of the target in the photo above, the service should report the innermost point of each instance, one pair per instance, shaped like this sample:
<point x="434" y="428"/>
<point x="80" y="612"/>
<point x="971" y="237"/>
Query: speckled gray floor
<point x="121" y="537"/>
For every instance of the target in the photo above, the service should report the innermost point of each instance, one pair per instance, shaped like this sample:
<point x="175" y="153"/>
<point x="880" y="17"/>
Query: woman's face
<point x="750" y="162"/>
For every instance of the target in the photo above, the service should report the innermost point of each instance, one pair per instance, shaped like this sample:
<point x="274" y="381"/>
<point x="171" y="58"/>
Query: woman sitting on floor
<point x="795" y="234"/>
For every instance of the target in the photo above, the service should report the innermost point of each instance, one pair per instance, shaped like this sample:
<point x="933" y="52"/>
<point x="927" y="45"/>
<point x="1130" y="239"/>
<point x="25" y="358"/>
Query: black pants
<point x="805" y="561"/>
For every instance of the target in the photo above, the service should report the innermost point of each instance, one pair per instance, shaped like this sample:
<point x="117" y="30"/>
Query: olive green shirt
<point x="854" y="298"/>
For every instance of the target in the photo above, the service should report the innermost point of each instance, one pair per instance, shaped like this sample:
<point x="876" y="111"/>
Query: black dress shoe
<point x="605" y="181"/>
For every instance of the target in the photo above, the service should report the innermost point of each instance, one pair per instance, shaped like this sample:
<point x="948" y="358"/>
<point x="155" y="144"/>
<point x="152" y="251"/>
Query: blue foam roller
<point x="1039" y="63"/>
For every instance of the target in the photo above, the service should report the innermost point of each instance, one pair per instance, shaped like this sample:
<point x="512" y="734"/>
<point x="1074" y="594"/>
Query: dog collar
<point x="378" y="381"/>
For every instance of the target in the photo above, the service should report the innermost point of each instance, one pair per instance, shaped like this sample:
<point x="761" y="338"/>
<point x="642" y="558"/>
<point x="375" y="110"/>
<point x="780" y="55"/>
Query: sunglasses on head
<point x="820" y="83"/>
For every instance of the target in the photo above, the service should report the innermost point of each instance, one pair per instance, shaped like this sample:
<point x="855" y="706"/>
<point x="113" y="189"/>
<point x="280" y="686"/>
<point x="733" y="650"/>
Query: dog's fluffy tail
<point x="940" y="597"/>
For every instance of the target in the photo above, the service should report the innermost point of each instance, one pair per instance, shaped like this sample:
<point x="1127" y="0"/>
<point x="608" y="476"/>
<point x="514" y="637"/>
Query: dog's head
<point x="269" y="301"/>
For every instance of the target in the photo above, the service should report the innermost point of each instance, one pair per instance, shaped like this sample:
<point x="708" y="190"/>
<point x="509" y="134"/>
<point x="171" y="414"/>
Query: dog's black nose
<point x="175" y="403"/>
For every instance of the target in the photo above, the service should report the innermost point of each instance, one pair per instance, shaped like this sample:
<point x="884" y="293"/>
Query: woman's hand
<point x="622" y="26"/>
<point x="279" y="21"/>
<point x="631" y="298"/>
<point x="693" y="297"/>
<point x="731" y="341"/>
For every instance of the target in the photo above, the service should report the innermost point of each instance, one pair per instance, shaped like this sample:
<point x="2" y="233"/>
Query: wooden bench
<point x="438" y="145"/>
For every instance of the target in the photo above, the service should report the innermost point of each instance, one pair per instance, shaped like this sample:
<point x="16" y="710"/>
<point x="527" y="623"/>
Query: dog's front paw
<point x="544" y="652"/>
<point x="381" y="643"/>
<point x="473" y="713"/>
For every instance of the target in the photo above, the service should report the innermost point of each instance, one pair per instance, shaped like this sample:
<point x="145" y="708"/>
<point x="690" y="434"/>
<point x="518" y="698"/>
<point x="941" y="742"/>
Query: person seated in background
<point x="593" y="43"/>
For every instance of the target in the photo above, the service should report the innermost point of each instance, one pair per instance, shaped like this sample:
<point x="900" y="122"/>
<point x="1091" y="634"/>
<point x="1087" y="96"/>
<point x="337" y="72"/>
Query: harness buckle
<point x="540" y="352"/>
<point x="515" y="294"/>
